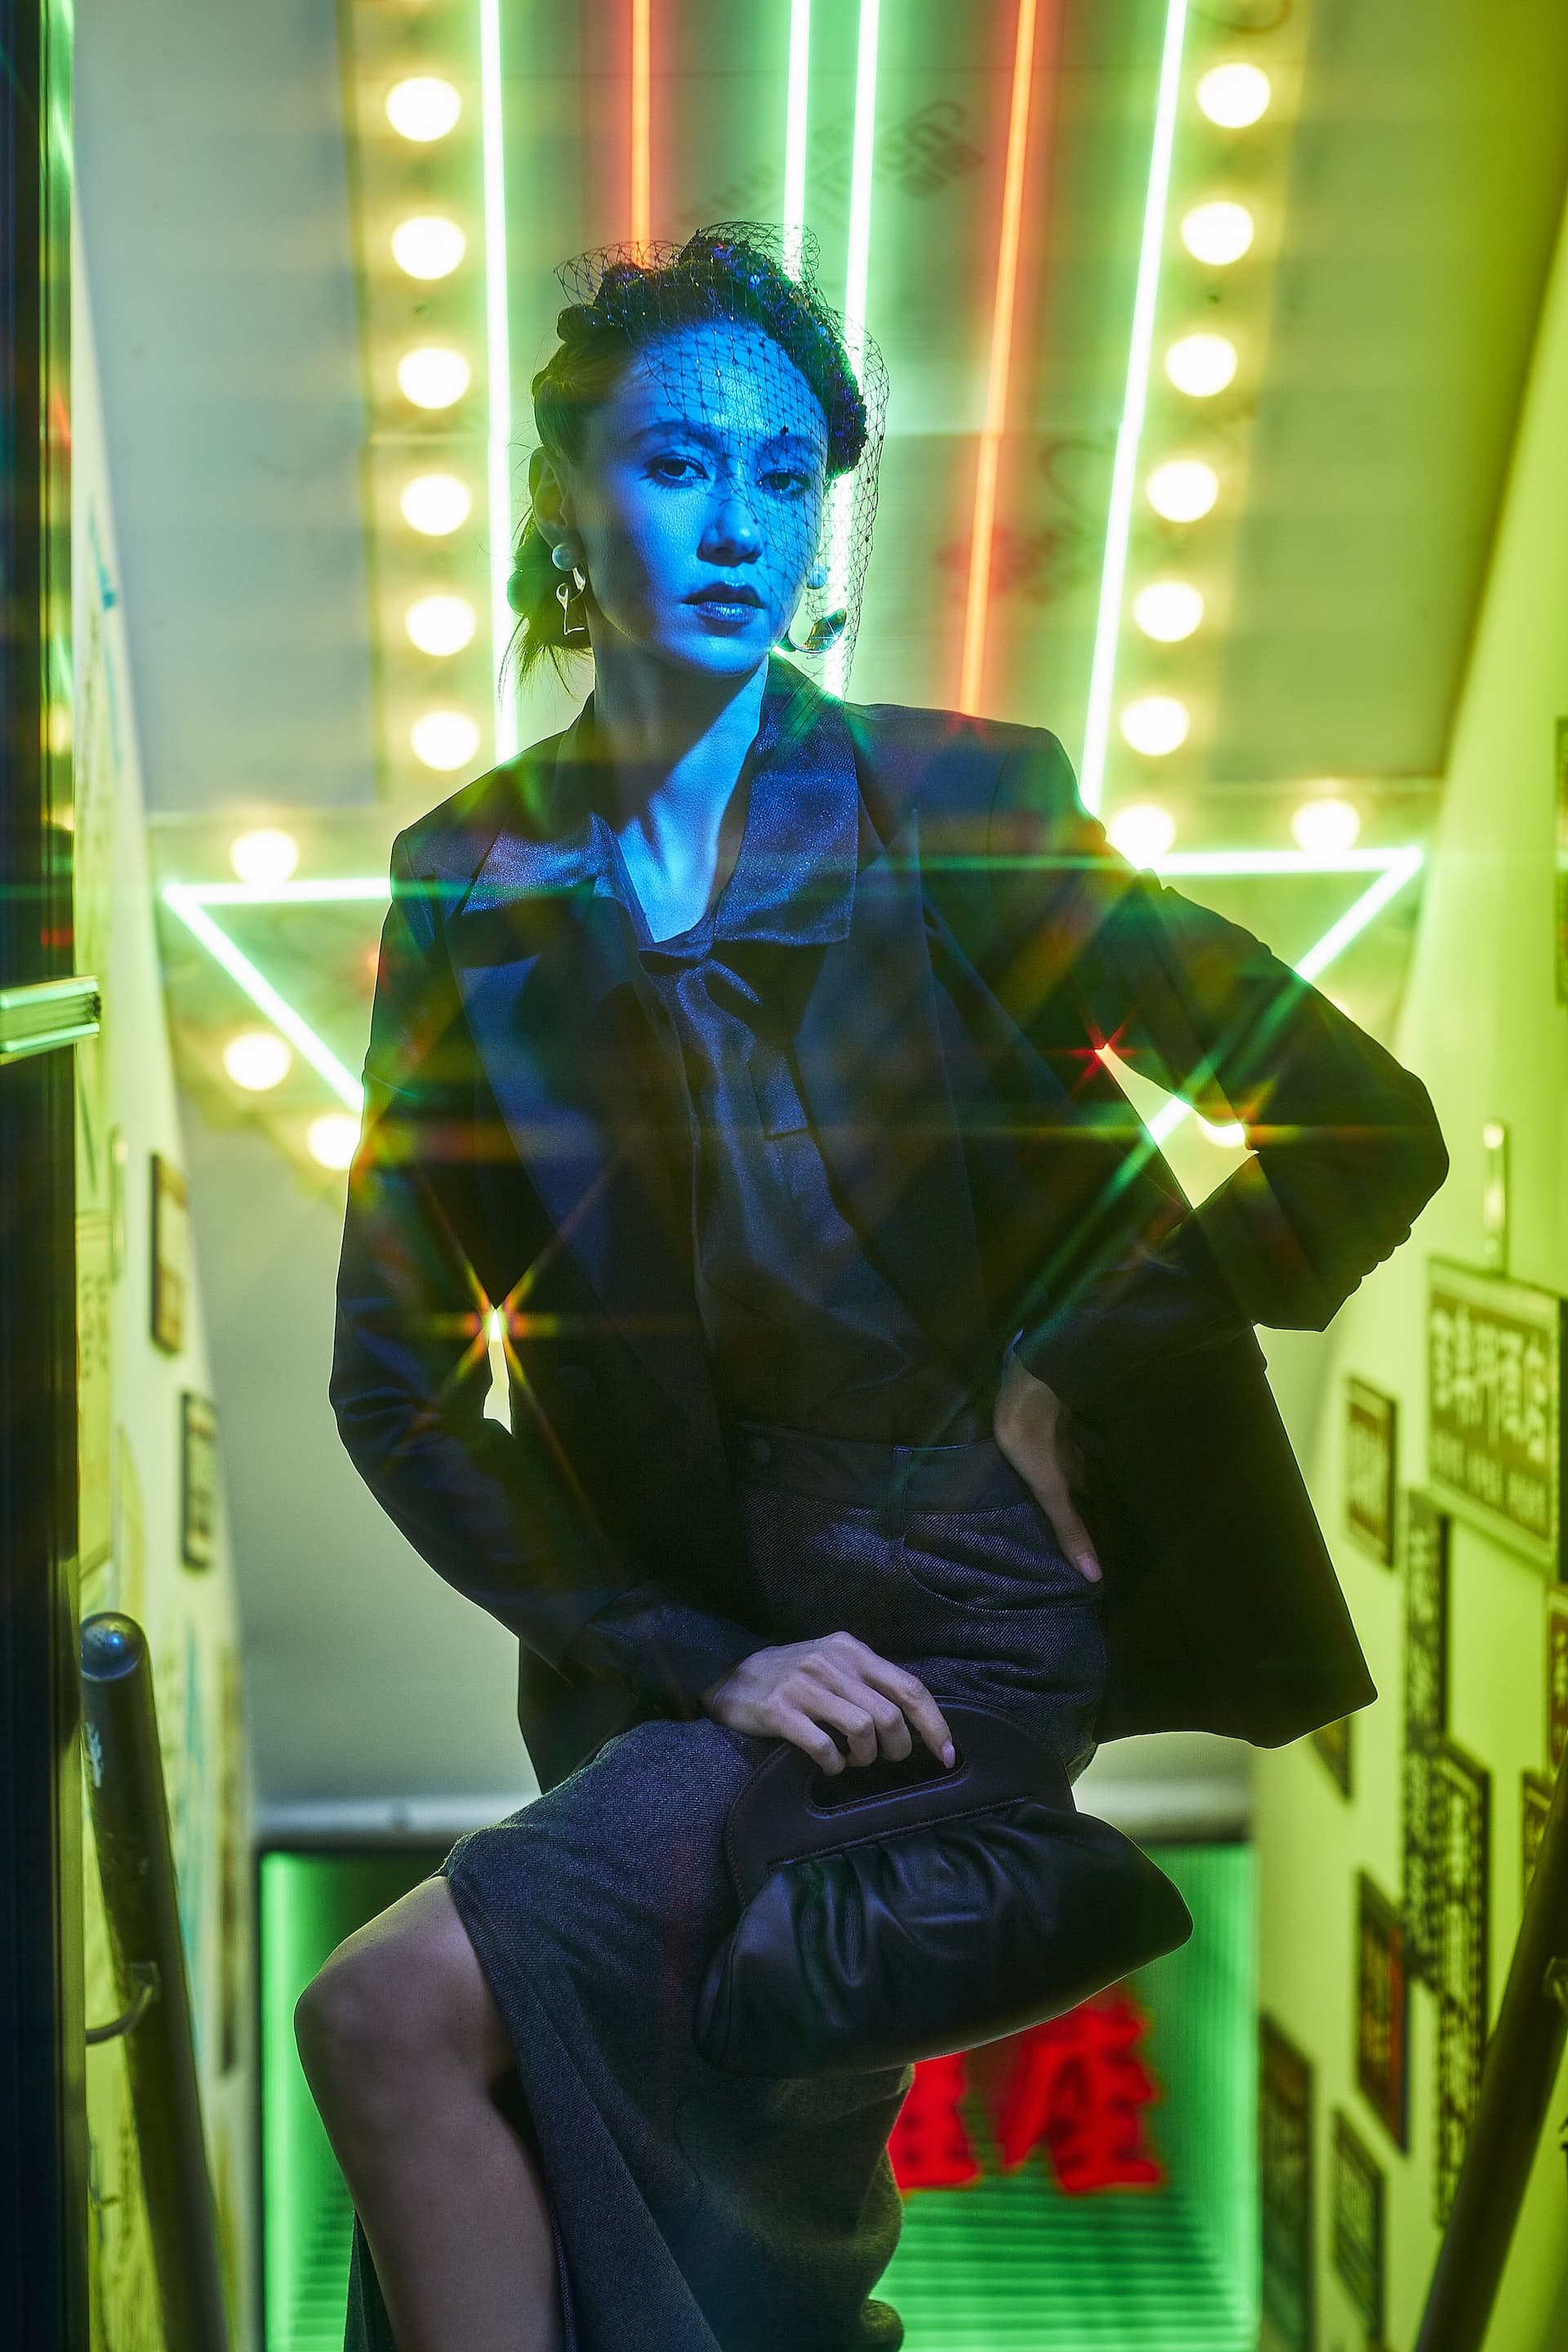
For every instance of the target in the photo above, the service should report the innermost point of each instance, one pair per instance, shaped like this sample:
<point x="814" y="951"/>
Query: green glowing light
<point x="1119" y="522"/>
<point x="498" y="369"/>
<point x="855" y="278"/>
<point x="793" y="222"/>
<point x="1392" y="870"/>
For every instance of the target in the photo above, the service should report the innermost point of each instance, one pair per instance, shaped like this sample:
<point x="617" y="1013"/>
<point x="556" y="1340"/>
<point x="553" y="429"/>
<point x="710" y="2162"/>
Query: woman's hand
<point x="807" y="1691"/>
<point x="1032" y="1428"/>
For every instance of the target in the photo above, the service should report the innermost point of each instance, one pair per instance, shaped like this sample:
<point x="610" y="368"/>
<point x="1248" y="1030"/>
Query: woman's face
<point x="697" y="500"/>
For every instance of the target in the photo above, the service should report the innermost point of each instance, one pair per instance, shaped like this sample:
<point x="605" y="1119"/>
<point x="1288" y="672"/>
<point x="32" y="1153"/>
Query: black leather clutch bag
<point x="897" y="1912"/>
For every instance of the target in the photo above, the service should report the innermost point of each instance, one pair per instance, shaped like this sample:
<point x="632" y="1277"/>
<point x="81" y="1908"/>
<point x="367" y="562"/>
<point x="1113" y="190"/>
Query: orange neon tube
<point x="977" y="608"/>
<point x="642" y="109"/>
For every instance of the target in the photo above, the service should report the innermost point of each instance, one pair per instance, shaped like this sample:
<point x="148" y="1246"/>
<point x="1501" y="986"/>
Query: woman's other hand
<point x="808" y="1691"/>
<point x="1032" y="1428"/>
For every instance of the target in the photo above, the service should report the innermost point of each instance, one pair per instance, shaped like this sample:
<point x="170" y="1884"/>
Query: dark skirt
<point x="695" y="2210"/>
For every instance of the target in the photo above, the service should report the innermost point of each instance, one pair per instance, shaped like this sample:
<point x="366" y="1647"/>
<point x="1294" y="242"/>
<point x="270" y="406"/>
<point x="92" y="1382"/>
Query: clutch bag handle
<point x="790" y="1808"/>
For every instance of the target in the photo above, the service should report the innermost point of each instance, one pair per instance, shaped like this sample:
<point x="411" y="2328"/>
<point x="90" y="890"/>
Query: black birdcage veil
<point x="795" y="414"/>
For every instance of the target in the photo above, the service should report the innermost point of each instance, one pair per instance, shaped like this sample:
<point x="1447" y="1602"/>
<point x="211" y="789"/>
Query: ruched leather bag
<point x="901" y="1912"/>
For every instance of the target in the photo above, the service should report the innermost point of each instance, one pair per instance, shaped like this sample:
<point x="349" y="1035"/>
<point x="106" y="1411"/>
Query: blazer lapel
<point x="544" y="963"/>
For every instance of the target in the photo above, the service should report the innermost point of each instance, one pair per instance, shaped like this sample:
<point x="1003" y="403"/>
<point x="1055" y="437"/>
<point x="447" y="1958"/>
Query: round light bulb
<point x="429" y="246"/>
<point x="1232" y="1137"/>
<point x="1142" y="832"/>
<point x="1155" y="724"/>
<point x="265" y="856"/>
<point x="1168" y="610"/>
<point x="435" y="504"/>
<point x="1201" y="365"/>
<point x="1326" y="827"/>
<point x="423" y="108"/>
<point x="1217" y="233"/>
<point x="1233" y="95"/>
<point x="1183" y="489"/>
<point x="441" y="625"/>
<point x="445" y="739"/>
<point x="432" y="376"/>
<point x="257" y="1059"/>
<point x="333" y="1139"/>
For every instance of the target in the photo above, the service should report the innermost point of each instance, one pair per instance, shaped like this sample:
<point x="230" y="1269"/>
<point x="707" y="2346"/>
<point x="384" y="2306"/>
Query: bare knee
<point x="402" y="2003"/>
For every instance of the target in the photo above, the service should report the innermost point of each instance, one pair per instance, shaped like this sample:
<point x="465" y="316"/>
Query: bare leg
<point x="404" y="2049"/>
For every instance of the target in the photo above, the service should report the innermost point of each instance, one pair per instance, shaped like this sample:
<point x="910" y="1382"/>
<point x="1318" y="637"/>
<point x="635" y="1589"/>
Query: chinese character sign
<point x="1073" y="2091"/>
<point x="1494" y="1356"/>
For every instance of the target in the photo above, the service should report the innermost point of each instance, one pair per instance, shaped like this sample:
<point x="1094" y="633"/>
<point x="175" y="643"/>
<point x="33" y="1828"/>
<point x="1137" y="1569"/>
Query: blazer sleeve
<point x="498" y="1515"/>
<point x="1345" y="1148"/>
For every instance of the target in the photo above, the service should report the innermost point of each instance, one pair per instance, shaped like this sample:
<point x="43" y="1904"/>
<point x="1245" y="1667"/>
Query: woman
<point x="716" y="1039"/>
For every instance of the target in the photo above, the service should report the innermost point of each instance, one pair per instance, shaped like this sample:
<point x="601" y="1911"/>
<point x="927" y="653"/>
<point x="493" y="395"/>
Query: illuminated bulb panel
<point x="1217" y="233"/>
<point x="444" y="740"/>
<point x="1156" y="724"/>
<point x="1325" y="827"/>
<point x="432" y="376"/>
<point x="1168" y="610"/>
<point x="423" y="108"/>
<point x="429" y="246"/>
<point x="257" y="1059"/>
<point x="1235" y="96"/>
<point x="1183" y="489"/>
<point x="333" y="1139"/>
<point x="441" y="625"/>
<point x="435" y="504"/>
<point x="1144" y="833"/>
<point x="1201" y="365"/>
<point x="264" y="856"/>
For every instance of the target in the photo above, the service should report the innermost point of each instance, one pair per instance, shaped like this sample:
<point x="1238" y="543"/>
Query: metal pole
<point x="1517" y="2077"/>
<point x="135" y="1860"/>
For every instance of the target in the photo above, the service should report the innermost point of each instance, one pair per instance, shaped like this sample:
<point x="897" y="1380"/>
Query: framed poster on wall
<point x="1426" y="1543"/>
<point x="1382" y="2010"/>
<point x="1370" y="1423"/>
<point x="1494" y="1419"/>
<point x="1356" y="2223"/>
<point x="170" y="1255"/>
<point x="1461" y="1796"/>
<point x="1285" y="2168"/>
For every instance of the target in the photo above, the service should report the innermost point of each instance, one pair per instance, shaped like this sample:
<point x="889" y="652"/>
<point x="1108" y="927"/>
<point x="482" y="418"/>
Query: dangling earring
<point x="563" y="556"/>
<point x="817" y="576"/>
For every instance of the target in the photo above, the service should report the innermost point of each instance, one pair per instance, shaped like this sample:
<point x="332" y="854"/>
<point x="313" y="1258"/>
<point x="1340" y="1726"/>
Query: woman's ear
<point x="548" y="498"/>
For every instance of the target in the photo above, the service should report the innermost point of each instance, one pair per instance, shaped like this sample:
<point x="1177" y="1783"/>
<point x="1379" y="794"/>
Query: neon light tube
<point x="978" y="606"/>
<point x="498" y="370"/>
<point x="265" y="997"/>
<point x="855" y="274"/>
<point x="793" y="222"/>
<point x="642" y="109"/>
<point x="1119" y="522"/>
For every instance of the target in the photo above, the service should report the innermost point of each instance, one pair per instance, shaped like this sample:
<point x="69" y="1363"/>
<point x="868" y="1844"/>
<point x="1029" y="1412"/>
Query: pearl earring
<point x="563" y="556"/>
<point x="817" y="576"/>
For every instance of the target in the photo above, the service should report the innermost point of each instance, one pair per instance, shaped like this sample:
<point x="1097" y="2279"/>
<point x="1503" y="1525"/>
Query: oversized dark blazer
<point x="948" y="1047"/>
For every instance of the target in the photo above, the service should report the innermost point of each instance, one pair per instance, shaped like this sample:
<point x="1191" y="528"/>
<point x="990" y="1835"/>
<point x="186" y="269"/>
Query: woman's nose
<point x="732" y="528"/>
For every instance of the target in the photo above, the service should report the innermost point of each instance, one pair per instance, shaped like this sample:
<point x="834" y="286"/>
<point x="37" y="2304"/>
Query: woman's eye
<point x="786" y="482"/>
<point x="669" y="468"/>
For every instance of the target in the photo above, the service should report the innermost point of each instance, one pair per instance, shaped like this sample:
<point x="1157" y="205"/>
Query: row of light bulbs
<point x="1185" y="489"/>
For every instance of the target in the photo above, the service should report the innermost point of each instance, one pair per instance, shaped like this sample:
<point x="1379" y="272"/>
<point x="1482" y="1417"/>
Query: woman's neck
<point x="673" y="746"/>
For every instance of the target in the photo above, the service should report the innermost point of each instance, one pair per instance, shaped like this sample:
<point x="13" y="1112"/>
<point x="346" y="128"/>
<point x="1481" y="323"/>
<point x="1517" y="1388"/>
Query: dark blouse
<point x="803" y="1326"/>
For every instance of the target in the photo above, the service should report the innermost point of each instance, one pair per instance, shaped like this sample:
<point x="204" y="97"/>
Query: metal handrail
<point x="136" y="1864"/>
<point x="1519" y="2068"/>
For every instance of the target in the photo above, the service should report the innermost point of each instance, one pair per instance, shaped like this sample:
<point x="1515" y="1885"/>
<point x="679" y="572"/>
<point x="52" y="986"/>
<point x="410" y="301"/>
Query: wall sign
<point x="1426" y="1534"/>
<point x="1369" y="1428"/>
<point x="1494" y="1385"/>
<point x="1285" y="2162"/>
<point x="1356" y="2223"/>
<point x="1382" y="2010"/>
<point x="170" y="1255"/>
<point x="1556" y="1680"/>
<point x="198" y="1480"/>
<point x="1461" y="1804"/>
<point x="1333" y="1743"/>
<point x="1535" y="1804"/>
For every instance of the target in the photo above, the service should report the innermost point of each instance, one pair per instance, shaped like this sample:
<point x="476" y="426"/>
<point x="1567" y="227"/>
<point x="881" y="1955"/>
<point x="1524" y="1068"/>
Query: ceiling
<point x="237" y="183"/>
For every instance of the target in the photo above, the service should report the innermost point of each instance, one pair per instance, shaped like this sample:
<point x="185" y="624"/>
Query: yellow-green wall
<point x="1481" y="1023"/>
<point x="131" y="1430"/>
